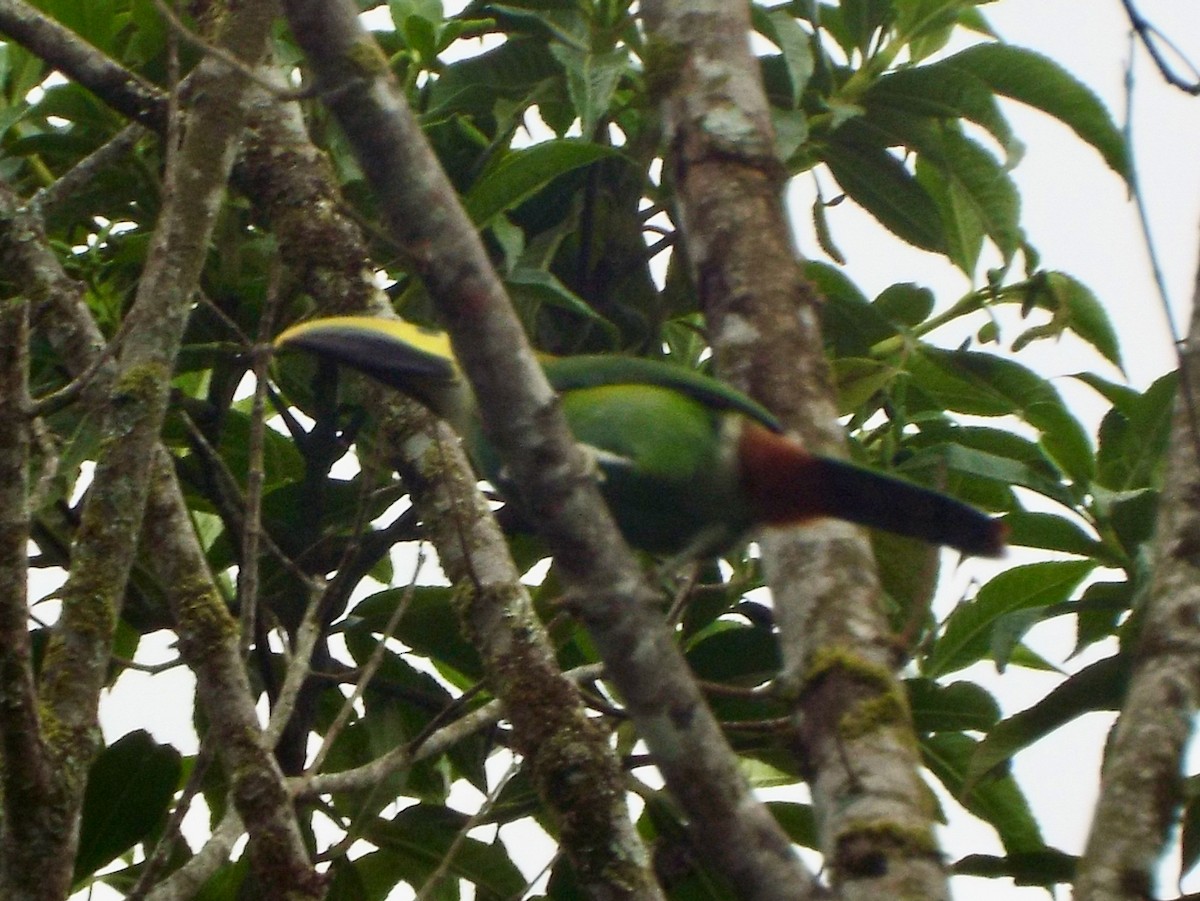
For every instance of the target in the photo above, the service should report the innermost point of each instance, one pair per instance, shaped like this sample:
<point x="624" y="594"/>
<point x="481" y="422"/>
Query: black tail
<point x="881" y="501"/>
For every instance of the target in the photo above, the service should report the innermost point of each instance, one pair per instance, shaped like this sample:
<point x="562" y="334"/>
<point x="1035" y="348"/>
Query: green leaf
<point x="1133" y="515"/>
<point x="915" y="18"/>
<point x="976" y="182"/>
<point x="522" y="173"/>
<point x="986" y="385"/>
<point x="515" y="70"/>
<point x="1042" y="83"/>
<point x="591" y="80"/>
<point x="1100" y="686"/>
<point x="905" y="303"/>
<point x="945" y="92"/>
<point x="1100" y="611"/>
<point x="428" y="626"/>
<point x="958" y="707"/>
<point x="413" y="845"/>
<point x="849" y="322"/>
<point x="858" y="379"/>
<point x="1054" y="533"/>
<point x="1074" y="307"/>
<point x="957" y="459"/>
<point x="880" y="184"/>
<point x="1189" y="831"/>
<point x="129" y="791"/>
<point x="863" y="19"/>
<point x="1134" y="435"/>
<point x="1047" y="867"/>
<point x="1120" y="396"/>
<point x="402" y="10"/>
<point x="781" y="28"/>
<point x="798" y="821"/>
<point x="961" y="222"/>
<point x="967" y="634"/>
<point x="997" y="801"/>
<point x="734" y="654"/>
<point x="540" y="286"/>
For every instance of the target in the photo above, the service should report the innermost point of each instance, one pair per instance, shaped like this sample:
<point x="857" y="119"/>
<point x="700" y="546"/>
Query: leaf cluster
<point x="880" y="97"/>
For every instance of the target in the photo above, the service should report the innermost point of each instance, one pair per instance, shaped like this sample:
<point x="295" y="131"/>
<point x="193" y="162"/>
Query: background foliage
<point x="543" y="114"/>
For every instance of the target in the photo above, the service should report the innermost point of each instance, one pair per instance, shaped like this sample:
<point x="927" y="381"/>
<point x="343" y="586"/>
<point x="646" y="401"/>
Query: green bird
<point x="687" y="464"/>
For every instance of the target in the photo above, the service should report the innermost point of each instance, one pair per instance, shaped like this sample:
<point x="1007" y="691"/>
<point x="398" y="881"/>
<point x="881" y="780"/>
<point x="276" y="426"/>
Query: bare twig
<point x="252" y="531"/>
<point x="1152" y="38"/>
<point x="368" y="669"/>
<point x="474" y="820"/>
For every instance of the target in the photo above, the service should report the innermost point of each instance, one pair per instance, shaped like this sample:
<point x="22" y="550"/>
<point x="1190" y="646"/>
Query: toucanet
<point x="687" y="464"/>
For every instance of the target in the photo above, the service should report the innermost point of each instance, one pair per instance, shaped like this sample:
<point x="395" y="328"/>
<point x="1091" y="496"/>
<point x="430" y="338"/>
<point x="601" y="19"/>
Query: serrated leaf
<point x="987" y="385"/>
<point x="1076" y="308"/>
<point x="944" y="92"/>
<point x="978" y="183"/>
<point x="881" y="185"/>
<point x="1100" y="686"/>
<point x="967" y="635"/>
<point x="1040" y="82"/>
<point x="964" y="229"/>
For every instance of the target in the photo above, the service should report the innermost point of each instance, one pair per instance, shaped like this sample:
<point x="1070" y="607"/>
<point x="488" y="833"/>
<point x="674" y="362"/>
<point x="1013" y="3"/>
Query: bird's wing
<point x="601" y="370"/>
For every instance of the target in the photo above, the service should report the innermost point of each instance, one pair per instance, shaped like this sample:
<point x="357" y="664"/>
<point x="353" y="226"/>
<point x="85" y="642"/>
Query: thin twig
<point x="255" y="477"/>
<point x="368" y="669"/>
<point x="170" y="835"/>
<point x="298" y="668"/>
<point x="46" y="200"/>
<point x="1151" y="37"/>
<point x="1160" y="282"/>
<point x="474" y="820"/>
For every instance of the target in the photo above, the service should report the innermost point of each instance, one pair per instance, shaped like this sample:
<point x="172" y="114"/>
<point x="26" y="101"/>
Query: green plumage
<point x="685" y="462"/>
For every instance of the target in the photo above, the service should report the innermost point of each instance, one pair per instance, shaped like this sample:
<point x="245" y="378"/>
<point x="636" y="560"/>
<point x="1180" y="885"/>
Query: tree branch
<point x="24" y="776"/>
<point x="104" y="546"/>
<point x="876" y="826"/>
<point x="64" y="50"/>
<point x="522" y="418"/>
<point x="1140" y="786"/>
